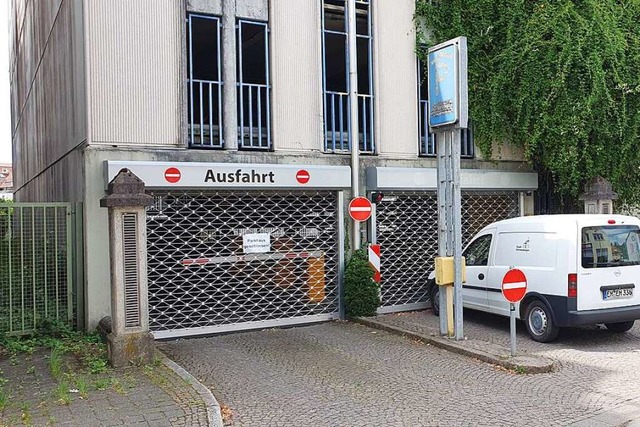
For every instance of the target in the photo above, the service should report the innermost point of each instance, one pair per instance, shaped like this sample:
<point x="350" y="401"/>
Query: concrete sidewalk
<point x="427" y="330"/>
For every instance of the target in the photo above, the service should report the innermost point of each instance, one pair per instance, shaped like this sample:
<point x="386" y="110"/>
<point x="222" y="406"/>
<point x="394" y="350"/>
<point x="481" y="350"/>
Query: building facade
<point x="235" y="114"/>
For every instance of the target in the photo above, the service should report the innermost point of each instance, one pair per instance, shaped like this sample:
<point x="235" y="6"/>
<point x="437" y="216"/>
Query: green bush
<point x="361" y="292"/>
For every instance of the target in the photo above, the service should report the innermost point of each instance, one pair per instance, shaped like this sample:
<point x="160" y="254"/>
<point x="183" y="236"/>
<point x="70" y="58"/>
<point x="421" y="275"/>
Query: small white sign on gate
<point x="256" y="243"/>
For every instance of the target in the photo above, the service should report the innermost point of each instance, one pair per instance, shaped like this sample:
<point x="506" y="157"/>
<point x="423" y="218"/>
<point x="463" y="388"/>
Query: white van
<point x="580" y="269"/>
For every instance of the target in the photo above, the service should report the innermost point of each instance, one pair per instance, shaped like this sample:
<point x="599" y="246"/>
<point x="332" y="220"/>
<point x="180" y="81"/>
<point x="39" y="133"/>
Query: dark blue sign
<point x="443" y="86"/>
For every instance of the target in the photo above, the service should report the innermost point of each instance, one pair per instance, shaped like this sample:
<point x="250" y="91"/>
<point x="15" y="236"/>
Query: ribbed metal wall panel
<point x="47" y="83"/>
<point x="134" y="71"/>
<point x="296" y="74"/>
<point x="395" y="80"/>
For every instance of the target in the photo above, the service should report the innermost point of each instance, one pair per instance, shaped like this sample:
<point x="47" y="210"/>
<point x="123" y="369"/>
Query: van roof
<point x="563" y="220"/>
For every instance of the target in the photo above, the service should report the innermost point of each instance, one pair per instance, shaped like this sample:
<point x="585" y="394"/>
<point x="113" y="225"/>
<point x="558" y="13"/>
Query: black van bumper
<point x="566" y="314"/>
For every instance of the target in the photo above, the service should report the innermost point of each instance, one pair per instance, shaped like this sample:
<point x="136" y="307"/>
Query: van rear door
<point x="609" y="266"/>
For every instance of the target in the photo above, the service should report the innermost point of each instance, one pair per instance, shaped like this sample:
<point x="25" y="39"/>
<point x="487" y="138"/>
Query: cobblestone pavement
<point x="140" y="396"/>
<point x="345" y="374"/>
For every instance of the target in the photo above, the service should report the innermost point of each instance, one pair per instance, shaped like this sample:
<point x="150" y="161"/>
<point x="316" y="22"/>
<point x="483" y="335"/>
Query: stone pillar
<point x="129" y="340"/>
<point x="229" y="70"/>
<point x="598" y="196"/>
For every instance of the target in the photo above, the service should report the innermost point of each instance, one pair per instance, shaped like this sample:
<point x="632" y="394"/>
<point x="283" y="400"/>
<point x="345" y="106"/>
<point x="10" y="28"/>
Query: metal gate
<point x="36" y="265"/>
<point x="203" y="278"/>
<point x="407" y="231"/>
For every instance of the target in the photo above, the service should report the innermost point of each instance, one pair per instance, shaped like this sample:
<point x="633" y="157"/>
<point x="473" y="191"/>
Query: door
<point x="476" y="255"/>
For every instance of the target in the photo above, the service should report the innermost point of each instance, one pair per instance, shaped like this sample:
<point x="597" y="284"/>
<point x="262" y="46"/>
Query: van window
<point x="478" y="251"/>
<point x="610" y="245"/>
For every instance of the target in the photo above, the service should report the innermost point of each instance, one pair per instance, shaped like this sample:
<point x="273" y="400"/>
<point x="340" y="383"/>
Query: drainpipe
<point x="353" y="109"/>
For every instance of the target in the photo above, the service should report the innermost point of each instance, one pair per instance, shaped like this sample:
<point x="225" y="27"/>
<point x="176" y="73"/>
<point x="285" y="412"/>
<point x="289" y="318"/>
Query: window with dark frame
<point x="254" y="90"/>
<point x="335" y="76"/>
<point x="204" y="82"/>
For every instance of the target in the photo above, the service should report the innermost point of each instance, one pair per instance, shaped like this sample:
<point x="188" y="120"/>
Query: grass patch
<point x="74" y="357"/>
<point x="25" y="414"/>
<point x="55" y="362"/>
<point x="82" y="387"/>
<point x="102" y="383"/>
<point x="62" y="394"/>
<point x="4" y="399"/>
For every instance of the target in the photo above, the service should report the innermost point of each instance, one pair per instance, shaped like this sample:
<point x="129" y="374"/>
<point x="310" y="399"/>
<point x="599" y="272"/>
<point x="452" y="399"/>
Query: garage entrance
<point x="409" y="243"/>
<point x="207" y="272"/>
<point x="406" y="223"/>
<point x="234" y="246"/>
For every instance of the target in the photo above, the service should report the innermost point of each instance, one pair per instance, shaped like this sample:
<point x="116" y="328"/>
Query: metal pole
<point x="512" y="321"/>
<point x="442" y="222"/>
<point x="353" y="107"/>
<point x="341" y="257"/>
<point x="374" y="224"/>
<point x="457" y="231"/>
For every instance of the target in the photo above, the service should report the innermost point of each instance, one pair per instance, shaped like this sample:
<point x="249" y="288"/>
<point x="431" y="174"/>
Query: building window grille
<point x="427" y="140"/>
<point x="204" y="82"/>
<point x="254" y="90"/>
<point x="335" y="67"/>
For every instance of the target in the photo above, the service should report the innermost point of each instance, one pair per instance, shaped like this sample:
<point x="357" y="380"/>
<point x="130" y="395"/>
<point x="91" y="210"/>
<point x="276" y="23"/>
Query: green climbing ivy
<point x="561" y="78"/>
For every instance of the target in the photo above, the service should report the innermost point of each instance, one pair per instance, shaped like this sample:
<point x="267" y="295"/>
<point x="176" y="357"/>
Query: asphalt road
<point x="344" y="374"/>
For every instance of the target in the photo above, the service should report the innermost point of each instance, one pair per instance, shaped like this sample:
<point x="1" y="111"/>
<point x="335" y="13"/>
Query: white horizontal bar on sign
<point x="514" y="285"/>
<point x="359" y="209"/>
<point x="273" y="256"/>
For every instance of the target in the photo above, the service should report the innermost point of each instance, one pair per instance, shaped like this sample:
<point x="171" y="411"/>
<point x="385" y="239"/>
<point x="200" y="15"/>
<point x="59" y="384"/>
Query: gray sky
<point x="5" y="111"/>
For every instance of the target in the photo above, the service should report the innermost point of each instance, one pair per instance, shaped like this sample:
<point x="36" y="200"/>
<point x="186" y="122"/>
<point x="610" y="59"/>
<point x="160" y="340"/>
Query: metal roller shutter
<point x="407" y="231"/>
<point x="203" y="280"/>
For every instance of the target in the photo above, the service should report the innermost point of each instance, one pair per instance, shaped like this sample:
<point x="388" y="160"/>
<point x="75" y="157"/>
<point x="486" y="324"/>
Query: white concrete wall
<point x="47" y="97"/>
<point x="96" y="231"/>
<point x="134" y="71"/>
<point x="296" y="75"/>
<point x="212" y="7"/>
<point x="395" y="78"/>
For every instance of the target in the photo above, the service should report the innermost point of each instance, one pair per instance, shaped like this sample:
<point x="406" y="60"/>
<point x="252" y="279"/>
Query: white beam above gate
<point x="390" y="178"/>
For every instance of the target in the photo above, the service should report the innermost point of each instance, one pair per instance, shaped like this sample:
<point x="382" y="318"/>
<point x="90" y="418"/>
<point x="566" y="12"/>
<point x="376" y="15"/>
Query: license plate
<point x="619" y="293"/>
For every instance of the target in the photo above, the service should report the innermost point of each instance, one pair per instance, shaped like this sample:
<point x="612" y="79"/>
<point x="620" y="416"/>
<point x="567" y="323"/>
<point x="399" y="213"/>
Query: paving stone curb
<point x="214" y="414"/>
<point x="481" y="350"/>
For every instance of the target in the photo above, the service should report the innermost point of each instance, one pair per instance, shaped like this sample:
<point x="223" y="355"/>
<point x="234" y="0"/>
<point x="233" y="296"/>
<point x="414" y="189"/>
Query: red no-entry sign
<point x="360" y="208"/>
<point x="303" y="176"/>
<point x="514" y="285"/>
<point x="172" y="175"/>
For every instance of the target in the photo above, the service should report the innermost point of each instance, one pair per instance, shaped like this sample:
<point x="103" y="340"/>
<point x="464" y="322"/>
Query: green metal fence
<point x="36" y="265"/>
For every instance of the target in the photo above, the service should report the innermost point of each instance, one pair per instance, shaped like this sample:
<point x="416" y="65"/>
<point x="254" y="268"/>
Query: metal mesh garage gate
<point x="202" y="278"/>
<point x="407" y="231"/>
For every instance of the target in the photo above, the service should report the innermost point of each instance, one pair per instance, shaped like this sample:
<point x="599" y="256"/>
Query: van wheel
<point x="434" y="295"/>
<point x="620" y="326"/>
<point x="539" y="323"/>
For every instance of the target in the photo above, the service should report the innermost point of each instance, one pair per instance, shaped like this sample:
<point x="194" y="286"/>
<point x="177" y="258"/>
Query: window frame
<point x="241" y="85"/>
<point x="472" y="246"/>
<point x="334" y="143"/>
<point x="218" y="84"/>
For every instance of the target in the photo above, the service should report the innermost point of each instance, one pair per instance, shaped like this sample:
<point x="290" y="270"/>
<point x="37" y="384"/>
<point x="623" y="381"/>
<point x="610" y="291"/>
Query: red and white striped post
<point x="374" y="260"/>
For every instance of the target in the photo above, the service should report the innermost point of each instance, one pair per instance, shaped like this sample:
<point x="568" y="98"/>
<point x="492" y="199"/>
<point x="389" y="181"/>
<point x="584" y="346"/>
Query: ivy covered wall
<point x="560" y="78"/>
